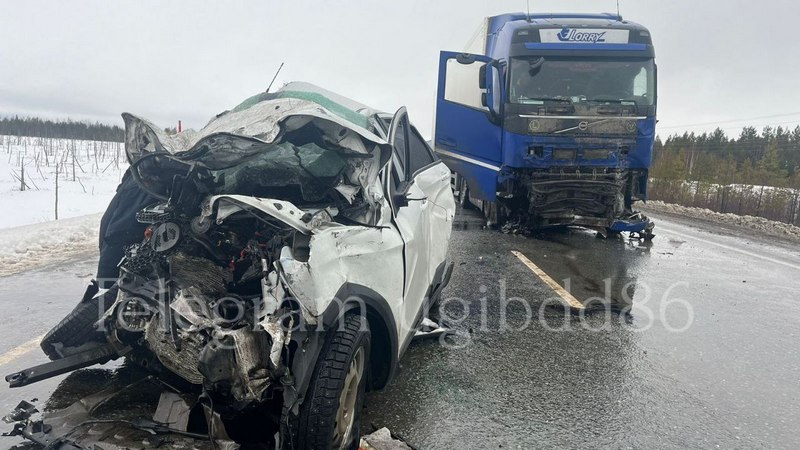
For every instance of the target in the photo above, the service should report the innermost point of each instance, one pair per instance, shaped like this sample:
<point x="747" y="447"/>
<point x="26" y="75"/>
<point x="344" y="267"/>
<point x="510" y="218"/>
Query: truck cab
<point x="550" y="119"/>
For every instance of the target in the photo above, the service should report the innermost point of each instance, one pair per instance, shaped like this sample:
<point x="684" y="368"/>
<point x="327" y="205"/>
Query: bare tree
<point x="23" y="184"/>
<point x="56" y="205"/>
<point x="22" y="174"/>
<point x="73" y="160"/>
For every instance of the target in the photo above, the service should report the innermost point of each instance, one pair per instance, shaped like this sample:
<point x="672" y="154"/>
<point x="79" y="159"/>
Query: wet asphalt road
<point x="700" y="348"/>
<point x="720" y="369"/>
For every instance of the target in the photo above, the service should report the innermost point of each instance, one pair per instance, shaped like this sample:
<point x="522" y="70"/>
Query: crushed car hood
<point x="301" y="135"/>
<point x="219" y="207"/>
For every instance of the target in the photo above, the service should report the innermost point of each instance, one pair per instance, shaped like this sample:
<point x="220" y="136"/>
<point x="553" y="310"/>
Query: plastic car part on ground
<point x="382" y="440"/>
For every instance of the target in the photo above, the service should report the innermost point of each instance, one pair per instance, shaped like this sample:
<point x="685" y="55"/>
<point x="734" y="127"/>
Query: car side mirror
<point x="400" y="201"/>
<point x="404" y="197"/>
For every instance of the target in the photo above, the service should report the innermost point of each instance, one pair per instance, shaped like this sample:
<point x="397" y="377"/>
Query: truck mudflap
<point x="115" y="418"/>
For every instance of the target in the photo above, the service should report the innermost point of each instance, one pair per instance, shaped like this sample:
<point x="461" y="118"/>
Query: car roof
<point x="346" y="108"/>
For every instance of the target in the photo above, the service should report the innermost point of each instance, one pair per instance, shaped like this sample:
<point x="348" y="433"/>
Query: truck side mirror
<point x="492" y="98"/>
<point x="482" y="79"/>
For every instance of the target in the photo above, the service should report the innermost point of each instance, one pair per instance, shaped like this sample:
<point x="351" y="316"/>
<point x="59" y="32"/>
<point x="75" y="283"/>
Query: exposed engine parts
<point x="257" y="265"/>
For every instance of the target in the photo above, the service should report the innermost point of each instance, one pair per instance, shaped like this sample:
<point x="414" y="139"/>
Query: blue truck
<point x="549" y="120"/>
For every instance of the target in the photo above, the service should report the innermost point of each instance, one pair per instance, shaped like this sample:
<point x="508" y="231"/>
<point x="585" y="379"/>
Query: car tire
<point x="330" y="417"/>
<point x="77" y="329"/>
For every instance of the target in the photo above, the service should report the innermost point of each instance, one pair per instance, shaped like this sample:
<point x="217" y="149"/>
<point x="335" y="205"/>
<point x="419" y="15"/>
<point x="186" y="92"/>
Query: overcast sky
<point x="719" y="60"/>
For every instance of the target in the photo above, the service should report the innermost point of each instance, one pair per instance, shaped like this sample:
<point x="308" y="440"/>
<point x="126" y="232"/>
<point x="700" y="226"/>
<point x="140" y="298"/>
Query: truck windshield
<point x="534" y="80"/>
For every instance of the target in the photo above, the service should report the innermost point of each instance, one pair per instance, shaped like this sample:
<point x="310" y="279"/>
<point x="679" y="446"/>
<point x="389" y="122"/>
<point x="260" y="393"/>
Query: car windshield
<point x="536" y="79"/>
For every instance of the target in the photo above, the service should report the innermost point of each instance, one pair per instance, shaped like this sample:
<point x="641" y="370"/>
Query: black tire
<point x="76" y="330"/>
<point x="495" y="214"/>
<point x="463" y="195"/>
<point x="317" y="424"/>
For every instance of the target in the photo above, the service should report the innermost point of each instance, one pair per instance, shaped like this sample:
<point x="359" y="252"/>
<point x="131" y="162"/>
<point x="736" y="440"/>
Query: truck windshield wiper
<point x="552" y="99"/>
<point x="612" y="100"/>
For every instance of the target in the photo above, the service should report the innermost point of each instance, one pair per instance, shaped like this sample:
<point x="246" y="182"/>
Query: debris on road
<point x="432" y="329"/>
<point x="382" y="440"/>
<point x="638" y="225"/>
<point x="113" y="419"/>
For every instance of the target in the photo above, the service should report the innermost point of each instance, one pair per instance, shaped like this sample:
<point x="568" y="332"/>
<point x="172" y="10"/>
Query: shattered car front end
<point x="265" y="216"/>
<point x="210" y="291"/>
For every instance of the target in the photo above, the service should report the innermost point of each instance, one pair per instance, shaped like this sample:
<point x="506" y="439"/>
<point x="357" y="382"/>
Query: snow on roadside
<point x="759" y="224"/>
<point x="88" y="174"/>
<point x="31" y="246"/>
<point x="32" y="207"/>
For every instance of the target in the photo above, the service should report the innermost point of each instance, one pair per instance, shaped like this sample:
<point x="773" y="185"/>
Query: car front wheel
<point x="330" y="417"/>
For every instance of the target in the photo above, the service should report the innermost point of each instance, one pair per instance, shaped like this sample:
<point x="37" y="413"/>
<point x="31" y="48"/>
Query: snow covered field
<point x="88" y="174"/>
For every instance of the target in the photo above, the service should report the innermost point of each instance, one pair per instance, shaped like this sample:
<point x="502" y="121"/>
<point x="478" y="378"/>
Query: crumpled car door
<point x="433" y="177"/>
<point x="412" y="216"/>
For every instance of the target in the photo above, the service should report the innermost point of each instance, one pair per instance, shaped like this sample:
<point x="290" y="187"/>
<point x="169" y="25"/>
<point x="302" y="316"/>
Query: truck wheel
<point x="495" y="214"/>
<point x="330" y="417"/>
<point x="77" y="328"/>
<point x="463" y="195"/>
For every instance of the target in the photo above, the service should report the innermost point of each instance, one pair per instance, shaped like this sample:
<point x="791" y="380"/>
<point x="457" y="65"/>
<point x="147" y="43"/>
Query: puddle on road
<point x="599" y="269"/>
<point x="592" y="269"/>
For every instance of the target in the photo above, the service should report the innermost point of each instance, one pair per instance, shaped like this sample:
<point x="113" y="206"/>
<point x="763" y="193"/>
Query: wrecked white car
<point x="298" y="244"/>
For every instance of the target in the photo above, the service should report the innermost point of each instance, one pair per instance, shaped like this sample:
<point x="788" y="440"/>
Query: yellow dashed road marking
<point x="15" y="353"/>
<point x="568" y="298"/>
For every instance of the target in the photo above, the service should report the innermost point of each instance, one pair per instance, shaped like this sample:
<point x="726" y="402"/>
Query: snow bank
<point x="759" y="224"/>
<point x="31" y="246"/>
